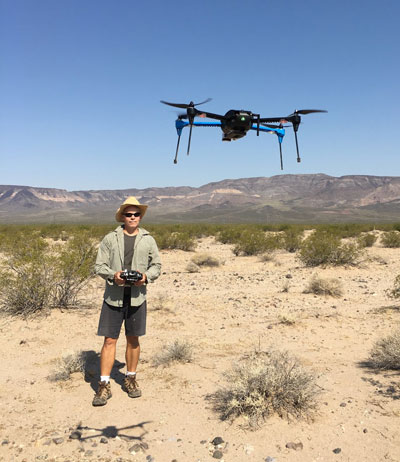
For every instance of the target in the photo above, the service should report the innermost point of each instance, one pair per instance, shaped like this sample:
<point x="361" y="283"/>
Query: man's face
<point x="131" y="221"/>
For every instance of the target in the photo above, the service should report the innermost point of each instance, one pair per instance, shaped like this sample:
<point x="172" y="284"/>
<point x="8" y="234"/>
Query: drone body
<point x="236" y="123"/>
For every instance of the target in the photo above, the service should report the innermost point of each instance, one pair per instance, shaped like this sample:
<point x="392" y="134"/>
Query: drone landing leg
<point x="177" y="148"/>
<point x="190" y="137"/>
<point x="280" y="153"/>
<point x="297" y="147"/>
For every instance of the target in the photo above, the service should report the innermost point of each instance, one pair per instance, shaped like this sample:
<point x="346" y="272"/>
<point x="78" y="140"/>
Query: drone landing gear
<point x="177" y="148"/>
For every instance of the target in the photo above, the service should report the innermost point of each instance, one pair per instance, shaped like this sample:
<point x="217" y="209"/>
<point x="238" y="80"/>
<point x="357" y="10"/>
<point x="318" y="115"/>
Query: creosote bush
<point x="265" y="383"/>
<point x="37" y="276"/>
<point x="366" y="240"/>
<point x="328" y="286"/>
<point x="205" y="259"/>
<point x="322" y="248"/>
<point x="178" y="351"/>
<point x="391" y="239"/>
<point x="192" y="267"/>
<point x="385" y="354"/>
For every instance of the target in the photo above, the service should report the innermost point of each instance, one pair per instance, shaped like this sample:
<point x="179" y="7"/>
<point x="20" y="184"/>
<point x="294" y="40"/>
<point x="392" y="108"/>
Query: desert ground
<point x="225" y="312"/>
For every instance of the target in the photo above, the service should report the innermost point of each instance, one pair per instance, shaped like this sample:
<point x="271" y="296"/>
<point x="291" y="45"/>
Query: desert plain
<point x="225" y="313"/>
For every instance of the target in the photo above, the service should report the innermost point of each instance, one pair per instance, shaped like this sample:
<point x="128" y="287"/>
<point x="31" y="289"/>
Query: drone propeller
<point x="190" y="115"/>
<point x="306" y="111"/>
<point x="185" y="106"/>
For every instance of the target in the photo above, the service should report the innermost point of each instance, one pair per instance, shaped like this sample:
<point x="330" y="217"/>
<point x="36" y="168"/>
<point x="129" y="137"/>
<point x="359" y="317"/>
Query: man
<point x="128" y="247"/>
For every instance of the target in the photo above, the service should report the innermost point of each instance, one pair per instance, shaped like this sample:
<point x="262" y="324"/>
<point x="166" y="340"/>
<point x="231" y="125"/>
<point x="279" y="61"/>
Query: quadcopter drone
<point x="235" y="124"/>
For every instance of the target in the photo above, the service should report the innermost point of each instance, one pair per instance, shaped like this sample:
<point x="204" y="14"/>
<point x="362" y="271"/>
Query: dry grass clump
<point x="192" y="267"/>
<point x="160" y="303"/>
<point x="366" y="240"/>
<point x="205" y="259"/>
<point x="265" y="383"/>
<point x="178" y="351"/>
<point x="385" y="354"/>
<point x="319" y="286"/>
<point x="67" y="365"/>
<point x="395" y="292"/>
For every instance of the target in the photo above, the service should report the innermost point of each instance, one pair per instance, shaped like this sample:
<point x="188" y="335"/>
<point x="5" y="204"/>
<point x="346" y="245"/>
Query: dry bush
<point x="192" y="267"/>
<point x="320" y="286"/>
<point x="395" y="292"/>
<point x="265" y="383"/>
<point x="385" y="354"/>
<point x="267" y="256"/>
<point x="205" y="259"/>
<point x="160" y="303"/>
<point x="287" y="319"/>
<point x="178" y="351"/>
<point x="67" y="365"/>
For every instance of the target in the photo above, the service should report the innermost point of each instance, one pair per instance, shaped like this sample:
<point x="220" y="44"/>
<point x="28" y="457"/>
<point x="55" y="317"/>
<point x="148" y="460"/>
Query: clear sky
<point x="81" y="81"/>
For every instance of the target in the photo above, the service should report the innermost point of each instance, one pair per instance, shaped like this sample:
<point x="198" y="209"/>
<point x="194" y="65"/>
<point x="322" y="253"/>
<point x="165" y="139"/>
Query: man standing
<point x="128" y="247"/>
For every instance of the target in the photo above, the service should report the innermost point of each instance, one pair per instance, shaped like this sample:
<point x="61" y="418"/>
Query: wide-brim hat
<point x="131" y="200"/>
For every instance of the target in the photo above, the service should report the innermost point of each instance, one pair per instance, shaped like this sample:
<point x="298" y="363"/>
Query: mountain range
<point x="282" y="198"/>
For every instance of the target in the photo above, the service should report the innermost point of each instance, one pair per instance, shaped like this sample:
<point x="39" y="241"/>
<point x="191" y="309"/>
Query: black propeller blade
<point x="185" y="106"/>
<point x="306" y="111"/>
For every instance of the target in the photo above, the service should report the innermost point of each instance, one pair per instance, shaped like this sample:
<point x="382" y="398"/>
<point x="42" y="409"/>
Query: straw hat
<point x="131" y="200"/>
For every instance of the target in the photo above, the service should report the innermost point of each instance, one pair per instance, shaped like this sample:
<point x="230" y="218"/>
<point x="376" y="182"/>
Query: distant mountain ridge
<point x="281" y="198"/>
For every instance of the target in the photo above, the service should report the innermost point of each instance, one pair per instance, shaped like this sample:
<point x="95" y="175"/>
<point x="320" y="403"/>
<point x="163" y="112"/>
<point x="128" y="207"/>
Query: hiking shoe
<point x="103" y="394"/>
<point x="131" y="386"/>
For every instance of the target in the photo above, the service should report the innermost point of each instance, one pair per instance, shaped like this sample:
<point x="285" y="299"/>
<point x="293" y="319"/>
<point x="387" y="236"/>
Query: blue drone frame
<point x="236" y="123"/>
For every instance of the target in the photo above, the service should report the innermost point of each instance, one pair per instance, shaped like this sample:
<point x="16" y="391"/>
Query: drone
<point x="236" y="123"/>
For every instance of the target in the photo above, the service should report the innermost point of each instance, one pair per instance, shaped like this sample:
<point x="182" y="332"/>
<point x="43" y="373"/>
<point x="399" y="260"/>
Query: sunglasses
<point x="131" y="214"/>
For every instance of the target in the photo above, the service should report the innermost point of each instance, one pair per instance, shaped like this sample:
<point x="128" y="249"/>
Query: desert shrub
<point x="320" y="286"/>
<point x="205" y="259"/>
<point x="74" y="268"/>
<point x="385" y="354"/>
<point x="229" y="235"/>
<point x="175" y="240"/>
<point x="178" y="351"/>
<point x="160" y="303"/>
<point x="37" y="276"/>
<point x="255" y="242"/>
<point x="323" y="248"/>
<point x="67" y="365"/>
<point x="391" y="239"/>
<point x="292" y="239"/>
<point x="265" y="383"/>
<point x="192" y="267"/>
<point x="366" y="240"/>
<point x="395" y="292"/>
<point x="27" y="277"/>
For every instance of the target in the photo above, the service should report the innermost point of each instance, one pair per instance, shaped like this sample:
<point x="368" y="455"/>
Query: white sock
<point x="104" y="378"/>
<point x="129" y="373"/>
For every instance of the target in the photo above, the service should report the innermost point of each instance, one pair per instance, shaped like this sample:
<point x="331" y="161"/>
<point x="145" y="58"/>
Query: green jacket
<point x="110" y="258"/>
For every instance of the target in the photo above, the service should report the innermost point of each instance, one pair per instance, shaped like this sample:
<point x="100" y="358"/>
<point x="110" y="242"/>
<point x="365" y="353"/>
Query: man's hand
<point x="141" y="282"/>
<point x="117" y="278"/>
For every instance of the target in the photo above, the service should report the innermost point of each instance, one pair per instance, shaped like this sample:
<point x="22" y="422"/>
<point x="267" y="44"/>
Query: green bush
<point x="322" y="248"/>
<point x="292" y="239"/>
<point x="37" y="276"/>
<point x="366" y="240"/>
<point x="391" y="239"/>
<point x="75" y="265"/>
<point x="265" y="383"/>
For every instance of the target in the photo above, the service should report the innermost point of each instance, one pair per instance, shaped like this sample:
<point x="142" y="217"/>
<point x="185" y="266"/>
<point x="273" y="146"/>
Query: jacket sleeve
<point x="102" y="265"/>
<point x="154" y="265"/>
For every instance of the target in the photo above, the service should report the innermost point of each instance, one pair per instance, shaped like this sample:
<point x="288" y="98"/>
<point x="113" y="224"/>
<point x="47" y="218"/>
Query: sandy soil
<point x="225" y="312"/>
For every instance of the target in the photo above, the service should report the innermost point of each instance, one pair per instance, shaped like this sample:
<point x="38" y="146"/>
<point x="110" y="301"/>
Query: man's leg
<point x="132" y="358"/>
<point x="132" y="353"/>
<point x="107" y="358"/>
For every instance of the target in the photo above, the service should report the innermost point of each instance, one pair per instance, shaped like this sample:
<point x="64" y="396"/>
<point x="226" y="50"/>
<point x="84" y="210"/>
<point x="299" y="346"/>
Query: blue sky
<point x="81" y="81"/>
